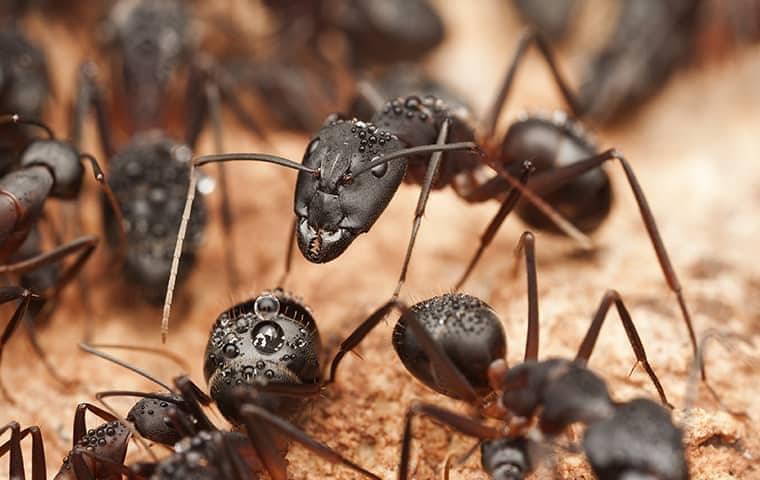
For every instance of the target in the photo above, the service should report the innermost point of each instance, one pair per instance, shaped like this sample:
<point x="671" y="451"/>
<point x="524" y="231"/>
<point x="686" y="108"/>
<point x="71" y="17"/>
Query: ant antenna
<point x="198" y="162"/>
<point x="91" y="349"/>
<point x="18" y="120"/>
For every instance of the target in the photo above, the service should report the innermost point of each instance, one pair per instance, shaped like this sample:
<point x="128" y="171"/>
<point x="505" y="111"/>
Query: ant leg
<point x="9" y="294"/>
<point x="82" y="471"/>
<point x="237" y="466"/>
<point x="80" y="427"/>
<point x="17" y="460"/>
<point x="528" y="39"/>
<point x="39" y="469"/>
<point x="89" y="96"/>
<point x="587" y="346"/>
<point x="360" y="332"/>
<point x="253" y="414"/>
<point x="194" y="397"/>
<point x="527" y="243"/>
<point x="487" y="237"/>
<point x="551" y="180"/>
<point x="441" y="364"/>
<point x="427" y="185"/>
<point x="462" y="424"/>
<point x="82" y="246"/>
<point x="729" y="341"/>
<point x="100" y="177"/>
<point x="496" y="185"/>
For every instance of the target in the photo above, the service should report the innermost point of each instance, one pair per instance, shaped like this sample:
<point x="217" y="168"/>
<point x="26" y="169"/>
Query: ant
<point x="262" y="359"/>
<point x="48" y="168"/>
<point x="650" y="41"/>
<point x="96" y="454"/>
<point x="151" y="43"/>
<point x="24" y="88"/>
<point x="455" y="344"/>
<point x="334" y="202"/>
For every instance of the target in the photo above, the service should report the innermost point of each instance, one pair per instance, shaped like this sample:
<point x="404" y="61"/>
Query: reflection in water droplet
<point x="231" y="350"/>
<point x="266" y="307"/>
<point x="268" y="337"/>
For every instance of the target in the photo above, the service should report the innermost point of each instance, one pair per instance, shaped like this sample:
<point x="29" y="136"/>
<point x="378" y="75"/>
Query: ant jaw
<point x="320" y="245"/>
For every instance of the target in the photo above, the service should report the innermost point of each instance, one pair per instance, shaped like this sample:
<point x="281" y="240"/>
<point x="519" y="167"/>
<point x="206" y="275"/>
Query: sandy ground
<point x="695" y="151"/>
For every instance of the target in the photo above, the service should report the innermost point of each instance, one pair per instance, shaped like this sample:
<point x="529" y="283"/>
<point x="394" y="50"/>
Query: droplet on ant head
<point x="266" y="307"/>
<point x="268" y="337"/>
<point x="231" y="350"/>
<point x="379" y="170"/>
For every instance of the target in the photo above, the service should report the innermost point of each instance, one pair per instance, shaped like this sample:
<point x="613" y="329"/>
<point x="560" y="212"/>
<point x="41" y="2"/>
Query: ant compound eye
<point x="379" y="170"/>
<point x="266" y="307"/>
<point x="268" y="337"/>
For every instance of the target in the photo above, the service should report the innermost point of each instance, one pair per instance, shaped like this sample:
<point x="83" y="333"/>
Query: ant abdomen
<point x="556" y="142"/>
<point x="272" y="339"/>
<point x="467" y="330"/>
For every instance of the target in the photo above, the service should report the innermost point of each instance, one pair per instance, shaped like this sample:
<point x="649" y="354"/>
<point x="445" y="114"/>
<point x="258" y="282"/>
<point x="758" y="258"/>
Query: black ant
<point x="336" y="200"/>
<point x="455" y="344"/>
<point x="151" y="44"/>
<point x="24" y="89"/>
<point x="48" y="168"/>
<point x="261" y="363"/>
<point x="96" y="454"/>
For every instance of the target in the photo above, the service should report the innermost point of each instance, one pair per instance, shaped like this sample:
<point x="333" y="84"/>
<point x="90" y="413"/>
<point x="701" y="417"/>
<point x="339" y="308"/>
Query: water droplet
<point x="242" y="324"/>
<point x="266" y="307"/>
<point x="231" y="350"/>
<point x="268" y="337"/>
<point x="379" y="170"/>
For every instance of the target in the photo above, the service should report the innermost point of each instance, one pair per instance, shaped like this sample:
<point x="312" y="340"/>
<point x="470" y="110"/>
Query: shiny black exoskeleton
<point x="211" y="455"/>
<point x="638" y="439"/>
<point x="351" y="169"/>
<point x="96" y="453"/>
<point x="149" y="178"/>
<point x="24" y="90"/>
<point x="555" y="142"/>
<point x="456" y="345"/>
<point x="389" y="31"/>
<point x="465" y="327"/>
<point x="272" y="339"/>
<point x="47" y="168"/>
<point x="148" y="41"/>
<point x="651" y="39"/>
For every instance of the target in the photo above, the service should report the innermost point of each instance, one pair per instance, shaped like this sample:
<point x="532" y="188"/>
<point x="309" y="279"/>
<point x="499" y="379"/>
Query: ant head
<point x="150" y="418"/>
<point x="268" y="339"/>
<point x="334" y="206"/>
<point x="467" y="330"/>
